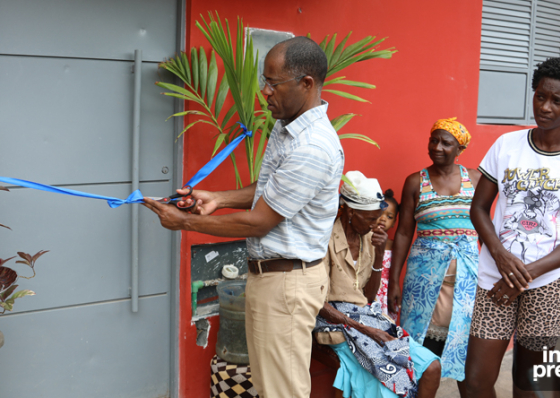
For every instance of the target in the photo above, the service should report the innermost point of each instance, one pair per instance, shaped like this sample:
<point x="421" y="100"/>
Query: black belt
<point x="279" y="265"/>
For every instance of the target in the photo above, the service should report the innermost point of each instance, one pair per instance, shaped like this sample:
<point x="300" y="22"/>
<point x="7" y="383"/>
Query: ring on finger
<point x="505" y="297"/>
<point x="510" y="274"/>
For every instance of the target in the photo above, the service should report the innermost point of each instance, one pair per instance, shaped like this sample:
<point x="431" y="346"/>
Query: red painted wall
<point x="433" y="75"/>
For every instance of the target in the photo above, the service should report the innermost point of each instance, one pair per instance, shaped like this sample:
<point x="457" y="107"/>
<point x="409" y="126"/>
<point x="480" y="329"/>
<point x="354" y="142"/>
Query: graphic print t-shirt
<point x="528" y="207"/>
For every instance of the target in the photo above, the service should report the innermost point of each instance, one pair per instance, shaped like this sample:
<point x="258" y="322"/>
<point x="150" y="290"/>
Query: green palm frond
<point x="204" y="87"/>
<point x="200" y="82"/>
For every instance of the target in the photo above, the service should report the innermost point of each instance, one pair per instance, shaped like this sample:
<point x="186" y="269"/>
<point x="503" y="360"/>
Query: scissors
<point x="176" y="198"/>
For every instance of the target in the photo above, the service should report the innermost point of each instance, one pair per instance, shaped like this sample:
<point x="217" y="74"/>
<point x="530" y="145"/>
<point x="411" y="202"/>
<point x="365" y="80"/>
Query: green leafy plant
<point x="8" y="277"/>
<point x="200" y="79"/>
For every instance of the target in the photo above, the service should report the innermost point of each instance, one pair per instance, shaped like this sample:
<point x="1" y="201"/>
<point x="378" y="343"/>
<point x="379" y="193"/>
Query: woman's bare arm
<point x="506" y="262"/>
<point x="403" y="239"/>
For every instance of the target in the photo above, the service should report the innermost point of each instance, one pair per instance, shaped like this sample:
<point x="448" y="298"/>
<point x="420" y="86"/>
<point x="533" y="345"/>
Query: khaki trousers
<point x="280" y="311"/>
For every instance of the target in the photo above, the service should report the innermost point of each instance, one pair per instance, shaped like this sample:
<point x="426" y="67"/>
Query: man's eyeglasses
<point x="271" y="86"/>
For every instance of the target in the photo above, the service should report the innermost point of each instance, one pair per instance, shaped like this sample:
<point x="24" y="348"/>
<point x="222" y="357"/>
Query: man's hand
<point x="170" y="217"/>
<point x="206" y="201"/>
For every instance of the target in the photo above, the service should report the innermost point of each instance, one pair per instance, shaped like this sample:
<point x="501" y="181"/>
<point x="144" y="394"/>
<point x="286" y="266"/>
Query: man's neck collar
<point x="305" y="119"/>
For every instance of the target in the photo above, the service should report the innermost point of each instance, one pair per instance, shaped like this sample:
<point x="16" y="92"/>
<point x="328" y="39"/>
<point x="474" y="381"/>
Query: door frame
<point x="175" y="289"/>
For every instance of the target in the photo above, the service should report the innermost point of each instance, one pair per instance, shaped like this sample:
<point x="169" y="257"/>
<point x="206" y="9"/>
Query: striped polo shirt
<point x="299" y="179"/>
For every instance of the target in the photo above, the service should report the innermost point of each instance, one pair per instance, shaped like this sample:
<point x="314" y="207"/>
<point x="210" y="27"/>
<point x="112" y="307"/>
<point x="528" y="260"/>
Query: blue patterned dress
<point x="445" y="232"/>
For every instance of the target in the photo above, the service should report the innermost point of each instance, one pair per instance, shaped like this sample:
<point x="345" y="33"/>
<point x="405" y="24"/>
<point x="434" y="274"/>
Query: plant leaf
<point x="219" y="141"/>
<point x="229" y="115"/>
<point x="7" y="277"/>
<point x="339" y="121"/>
<point x="5" y="294"/>
<point x="39" y="254"/>
<point x="23" y="293"/>
<point x="187" y="113"/>
<point x="358" y="137"/>
<point x="323" y="43"/>
<point x="346" y="180"/>
<point x="177" y="89"/>
<point x="330" y="48"/>
<point x="352" y="83"/>
<point x="347" y="95"/>
<point x="194" y="65"/>
<point x="193" y="123"/>
<point x="339" y="48"/>
<point x="221" y="96"/>
<point x="27" y="257"/>
<point x="212" y="80"/>
<point x="203" y="70"/>
<point x="2" y="262"/>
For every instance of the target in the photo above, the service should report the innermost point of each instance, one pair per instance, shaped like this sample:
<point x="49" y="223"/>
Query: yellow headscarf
<point x="453" y="127"/>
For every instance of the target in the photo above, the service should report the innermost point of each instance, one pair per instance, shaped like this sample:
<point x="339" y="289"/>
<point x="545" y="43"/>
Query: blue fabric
<point x="356" y="382"/>
<point x="134" y="197"/>
<point x="426" y="267"/>
<point x="390" y="363"/>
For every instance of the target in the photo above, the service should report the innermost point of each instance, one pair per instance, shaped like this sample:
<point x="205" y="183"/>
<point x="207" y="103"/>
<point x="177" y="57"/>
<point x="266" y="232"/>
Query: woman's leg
<point x="538" y="326"/>
<point x="491" y="329"/>
<point x="484" y="359"/>
<point x="429" y="382"/>
<point x="523" y="362"/>
<point x="462" y="386"/>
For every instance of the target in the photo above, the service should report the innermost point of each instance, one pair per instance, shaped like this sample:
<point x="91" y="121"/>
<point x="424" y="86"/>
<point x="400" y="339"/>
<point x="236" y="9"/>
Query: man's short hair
<point x="549" y="68"/>
<point x="302" y="56"/>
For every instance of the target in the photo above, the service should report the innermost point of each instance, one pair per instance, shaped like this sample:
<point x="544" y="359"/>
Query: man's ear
<point x="308" y="82"/>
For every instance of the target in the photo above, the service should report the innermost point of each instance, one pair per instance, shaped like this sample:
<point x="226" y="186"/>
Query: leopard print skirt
<point x="535" y="314"/>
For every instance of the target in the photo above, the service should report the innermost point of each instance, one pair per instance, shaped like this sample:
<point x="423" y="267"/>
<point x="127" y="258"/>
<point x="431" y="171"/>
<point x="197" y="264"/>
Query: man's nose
<point x="267" y="90"/>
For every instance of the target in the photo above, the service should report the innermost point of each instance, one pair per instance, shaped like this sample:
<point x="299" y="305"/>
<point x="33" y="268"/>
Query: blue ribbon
<point x="219" y="158"/>
<point x="136" y="196"/>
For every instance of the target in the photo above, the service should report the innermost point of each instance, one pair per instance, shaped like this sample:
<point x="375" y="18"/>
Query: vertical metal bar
<point x="177" y="179"/>
<point x="135" y="175"/>
<point x="528" y="86"/>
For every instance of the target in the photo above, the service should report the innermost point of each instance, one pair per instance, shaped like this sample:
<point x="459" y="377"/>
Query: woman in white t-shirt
<point x="519" y="265"/>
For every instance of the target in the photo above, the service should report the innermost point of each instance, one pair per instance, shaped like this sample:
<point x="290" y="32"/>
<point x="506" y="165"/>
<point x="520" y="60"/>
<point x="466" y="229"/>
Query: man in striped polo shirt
<point x="293" y="207"/>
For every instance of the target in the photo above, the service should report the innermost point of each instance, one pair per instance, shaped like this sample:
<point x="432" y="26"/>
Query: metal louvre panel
<point x="506" y="30"/>
<point x="518" y="5"/>
<point x="547" y="31"/>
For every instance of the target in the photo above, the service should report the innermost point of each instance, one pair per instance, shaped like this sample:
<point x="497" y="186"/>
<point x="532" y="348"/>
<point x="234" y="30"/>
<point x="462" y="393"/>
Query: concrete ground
<point x="504" y="385"/>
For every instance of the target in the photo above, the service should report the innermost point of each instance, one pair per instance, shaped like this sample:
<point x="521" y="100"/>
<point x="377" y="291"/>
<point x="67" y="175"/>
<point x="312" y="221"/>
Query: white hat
<point x="367" y="195"/>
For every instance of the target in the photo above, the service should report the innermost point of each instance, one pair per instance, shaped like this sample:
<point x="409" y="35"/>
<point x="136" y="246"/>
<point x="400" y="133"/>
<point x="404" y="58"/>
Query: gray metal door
<point x="66" y="119"/>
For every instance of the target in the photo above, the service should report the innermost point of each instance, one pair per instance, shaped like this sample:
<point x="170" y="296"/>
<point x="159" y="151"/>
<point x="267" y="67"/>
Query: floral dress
<point x="445" y="233"/>
<point x="384" y="285"/>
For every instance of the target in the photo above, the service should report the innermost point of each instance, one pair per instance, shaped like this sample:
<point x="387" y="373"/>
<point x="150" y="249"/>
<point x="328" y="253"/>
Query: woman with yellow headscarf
<point x="441" y="276"/>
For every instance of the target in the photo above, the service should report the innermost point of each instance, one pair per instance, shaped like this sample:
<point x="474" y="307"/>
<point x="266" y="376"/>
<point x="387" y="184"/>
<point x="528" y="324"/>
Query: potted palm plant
<point x="200" y="76"/>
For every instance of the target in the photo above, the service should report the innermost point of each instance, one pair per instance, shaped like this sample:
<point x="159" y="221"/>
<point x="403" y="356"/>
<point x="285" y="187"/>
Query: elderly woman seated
<point x="377" y="358"/>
